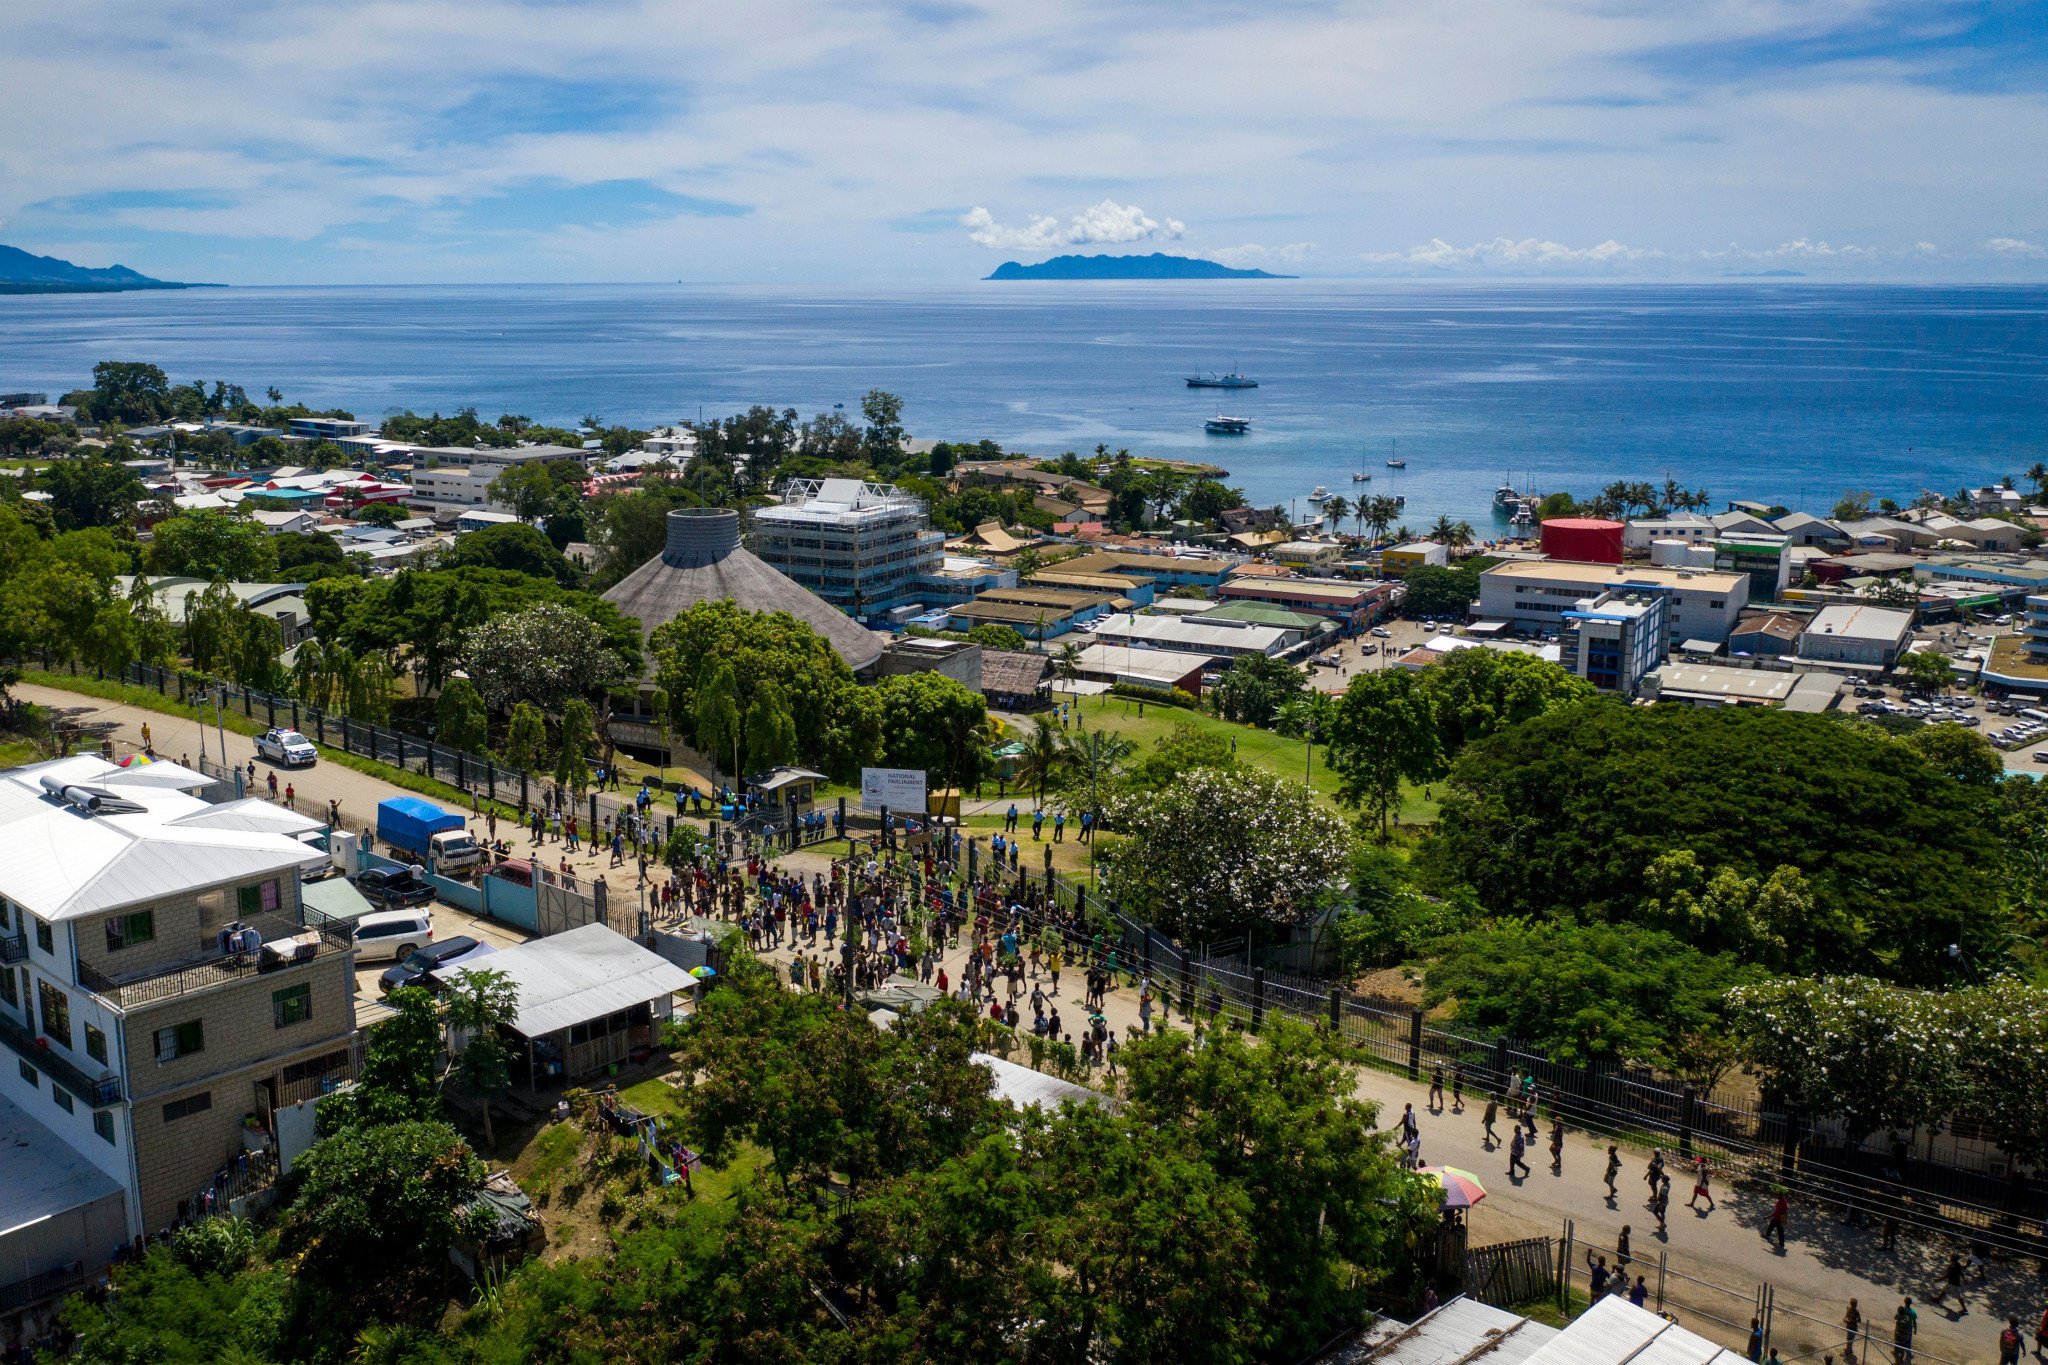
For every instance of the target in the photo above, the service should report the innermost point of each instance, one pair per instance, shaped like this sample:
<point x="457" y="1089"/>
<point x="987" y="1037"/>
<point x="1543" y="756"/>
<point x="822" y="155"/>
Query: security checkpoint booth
<point x="589" y="999"/>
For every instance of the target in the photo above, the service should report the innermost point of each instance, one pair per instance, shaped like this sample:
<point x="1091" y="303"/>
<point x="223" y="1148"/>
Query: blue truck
<point x="423" y="832"/>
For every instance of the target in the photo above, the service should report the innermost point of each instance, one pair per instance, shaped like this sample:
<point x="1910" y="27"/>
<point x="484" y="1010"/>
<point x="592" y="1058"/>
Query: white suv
<point x="287" y="747"/>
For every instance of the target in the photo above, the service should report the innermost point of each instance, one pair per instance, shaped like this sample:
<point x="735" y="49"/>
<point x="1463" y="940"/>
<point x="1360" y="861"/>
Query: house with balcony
<point x="165" y="995"/>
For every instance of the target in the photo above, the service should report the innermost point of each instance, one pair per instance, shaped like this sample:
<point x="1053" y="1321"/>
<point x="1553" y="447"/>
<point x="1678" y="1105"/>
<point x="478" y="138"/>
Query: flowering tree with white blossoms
<point x="2002" y="1034"/>
<point x="547" y="655"/>
<point x="1872" y="1055"/>
<point x="1220" y="852"/>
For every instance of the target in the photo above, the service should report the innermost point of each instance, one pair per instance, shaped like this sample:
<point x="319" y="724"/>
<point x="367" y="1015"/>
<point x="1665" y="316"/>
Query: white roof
<point x="46" y="1177"/>
<point x="1615" y="1331"/>
<point x="63" y="862"/>
<point x="1862" y="623"/>
<point x="1024" y="1087"/>
<point x="1462" y="1330"/>
<point x="1747" y="684"/>
<point x="1236" y="637"/>
<point x="1164" y="664"/>
<point x="584" y="974"/>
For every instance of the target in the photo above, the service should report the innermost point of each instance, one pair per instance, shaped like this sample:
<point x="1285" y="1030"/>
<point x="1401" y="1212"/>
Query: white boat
<point x="1321" y="494"/>
<point x="1506" y="496"/>
<point x="1361" y="478"/>
<point x="1397" y="464"/>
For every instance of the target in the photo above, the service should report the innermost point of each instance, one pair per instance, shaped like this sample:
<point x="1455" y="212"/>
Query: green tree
<point x="461" y="720"/>
<point x="1431" y="591"/>
<point x="479" y="1003"/>
<point x="1043" y="758"/>
<point x="2002" y="1045"/>
<point x="1224" y="852"/>
<point x="1255" y="687"/>
<point x="381" y="514"/>
<point x="771" y="731"/>
<point x="993" y="635"/>
<point x="934" y="723"/>
<point x="208" y="544"/>
<point x="1585" y="993"/>
<point x="516" y="548"/>
<point x="1562" y="815"/>
<point x="527" y="489"/>
<point x="127" y="391"/>
<point x="401" y="1075"/>
<point x="378" y="1203"/>
<point x="715" y="725"/>
<point x="837" y="724"/>
<point x="572" y="767"/>
<point x="1382" y="729"/>
<point x="1926" y="670"/>
<point x="165" y="1309"/>
<point x="91" y="492"/>
<point x="884" y="434"/>
<point x="526" y="739"/>
<point x="1473" y="693"/>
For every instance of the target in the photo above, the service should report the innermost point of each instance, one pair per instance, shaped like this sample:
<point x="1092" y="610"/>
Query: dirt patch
<point x="1389" y="983"/>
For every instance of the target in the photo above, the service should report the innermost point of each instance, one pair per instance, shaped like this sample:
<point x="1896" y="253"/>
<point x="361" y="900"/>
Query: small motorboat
<point x="1219" y="425"/>
<point x="1361" y="478"/>
<point x="1321" y="494"/>
<point x="1397" y="464"/>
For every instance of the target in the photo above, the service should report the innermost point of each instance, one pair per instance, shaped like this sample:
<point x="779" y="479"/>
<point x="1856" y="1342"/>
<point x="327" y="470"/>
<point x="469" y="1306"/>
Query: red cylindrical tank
<point x="1587" y="540"/>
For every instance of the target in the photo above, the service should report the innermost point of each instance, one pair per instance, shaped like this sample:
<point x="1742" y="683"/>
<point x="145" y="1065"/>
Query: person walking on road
<point x="1492" y="1140"/>
<point x="1952" y="1283"/>
<point x="1905" y="1326"/>
<point x="1408" y="1123"/>
<point x="2041" y="1334"/>
<point x="1700" y="1182"/>
<point x="1654" y="1172"/>
<point x="1557" y="1144"/>
<point x="1458" y="1088"/>
<point x="1515" y="1150"/>
<point x="1852" y="1323"/>
<point x="1660" y="1204"/>
<point x="1756" y="1339"/>
<point x="1779" y="1212"/>
<point x="1613" y="1169"/>
<point x="1436" y="1088"/>
<point x="2009" y="1342"/>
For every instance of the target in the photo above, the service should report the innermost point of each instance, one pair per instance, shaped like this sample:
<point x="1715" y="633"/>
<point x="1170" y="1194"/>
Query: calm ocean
<point x="1785" y="392"/>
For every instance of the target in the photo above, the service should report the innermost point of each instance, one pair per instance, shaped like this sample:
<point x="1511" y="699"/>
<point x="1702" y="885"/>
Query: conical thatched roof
<point x="704" y="561"/>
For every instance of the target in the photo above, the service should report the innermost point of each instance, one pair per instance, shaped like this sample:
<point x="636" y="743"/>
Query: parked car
<point x="1382" y="632"/>
<point x="288" y="748"/>
<point x="419" y="962"/>
<point x="392" y="887"/>
<point x="396" y="934"/>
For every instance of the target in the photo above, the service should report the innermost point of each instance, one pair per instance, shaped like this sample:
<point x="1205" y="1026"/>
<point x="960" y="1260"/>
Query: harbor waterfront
<point x="1785" y="392"/>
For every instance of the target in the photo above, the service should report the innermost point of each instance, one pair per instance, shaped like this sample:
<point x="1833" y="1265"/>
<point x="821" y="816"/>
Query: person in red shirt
<point x="1779" y="1212"/>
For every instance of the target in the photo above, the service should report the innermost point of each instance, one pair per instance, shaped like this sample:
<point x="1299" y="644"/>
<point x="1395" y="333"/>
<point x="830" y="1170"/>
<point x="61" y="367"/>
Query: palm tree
<point x="1442" y="530"/>
<point x="1042" y="759"/>
<point x="1066" y="662"/>
<point x="1360" y="513"/>
<point x="1336" y="509"/>
<point x="1383" y="511"/>
<point x="1402" y="535"/>
<point x="2037" y="475"/>
<point x="1462" y="534"/>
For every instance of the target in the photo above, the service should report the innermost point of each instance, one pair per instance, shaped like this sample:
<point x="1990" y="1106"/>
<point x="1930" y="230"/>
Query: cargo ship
<point x="1221" y="381"/>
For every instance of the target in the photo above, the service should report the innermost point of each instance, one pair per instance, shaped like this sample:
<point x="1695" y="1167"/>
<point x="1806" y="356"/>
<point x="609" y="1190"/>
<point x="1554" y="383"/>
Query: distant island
<point x="1157" y="266"/>
<point x="21" y="273"/>
<point x="1768" y="275"/>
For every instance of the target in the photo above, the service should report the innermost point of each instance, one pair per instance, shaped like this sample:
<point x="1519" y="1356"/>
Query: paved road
<point x="1823" y="1266"/>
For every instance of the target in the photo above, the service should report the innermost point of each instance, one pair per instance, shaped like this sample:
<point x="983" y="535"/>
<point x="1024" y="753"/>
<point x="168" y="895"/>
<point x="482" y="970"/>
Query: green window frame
<point x="62" y="1096"/>
<point x="56" y="1013"/>
<point x="95" y="1044"/>
<point x="257" y="899"/>
<point x="179" y="1040"/>
<point x="292" y="1005"/>
<point x="125" y="931"/>
<point x="103" y="1124"/>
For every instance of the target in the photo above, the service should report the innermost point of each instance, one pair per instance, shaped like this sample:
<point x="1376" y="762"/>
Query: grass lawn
<point x="16" y="754"/>
<point x="1255" y="748"/>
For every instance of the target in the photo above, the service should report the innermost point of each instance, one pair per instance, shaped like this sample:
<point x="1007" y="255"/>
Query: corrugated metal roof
<point x="581" y="975"/>
<point x="1614" y="1331"/>
<point x="1464" y="1330"/>
<point x="1023" y="1087"/>
<point x="63" y="862"/>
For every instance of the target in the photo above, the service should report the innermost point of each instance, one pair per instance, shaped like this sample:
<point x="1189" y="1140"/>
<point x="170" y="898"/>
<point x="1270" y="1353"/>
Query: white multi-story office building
<point x="863" y="547"/>
<point x="1705" y="603"/>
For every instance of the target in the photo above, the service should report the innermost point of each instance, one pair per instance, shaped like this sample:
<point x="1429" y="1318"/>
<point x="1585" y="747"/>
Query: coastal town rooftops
<point x="1862" y="623"/>
<point x="821" y="502"/>
<point x="85" y="836"/>
<point x="583" y="974"/>
<point x="1602" y="575"/>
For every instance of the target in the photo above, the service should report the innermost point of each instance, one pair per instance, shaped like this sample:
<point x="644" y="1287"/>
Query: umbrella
<point x="701" y="972"/>
<point x="136" y="760"/>
<point x="1461" y="1188"/>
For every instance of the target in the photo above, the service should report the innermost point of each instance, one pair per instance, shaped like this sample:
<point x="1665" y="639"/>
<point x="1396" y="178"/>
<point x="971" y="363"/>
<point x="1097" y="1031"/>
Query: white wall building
<point x="1871" y="637"/>
<point x="1705" y="603"/>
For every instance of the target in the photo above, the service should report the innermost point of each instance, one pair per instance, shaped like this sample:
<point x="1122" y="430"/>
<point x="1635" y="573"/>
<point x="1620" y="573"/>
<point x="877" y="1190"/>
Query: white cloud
<point x="2013" y="246"/>
<point x="1506" y="251"/>
<point x="1252" y="254"/>
<point x="1108" y="223"/>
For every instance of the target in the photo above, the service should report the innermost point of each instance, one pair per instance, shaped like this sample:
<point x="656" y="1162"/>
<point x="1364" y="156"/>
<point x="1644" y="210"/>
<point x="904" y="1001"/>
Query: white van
<point x="393" y="934"/>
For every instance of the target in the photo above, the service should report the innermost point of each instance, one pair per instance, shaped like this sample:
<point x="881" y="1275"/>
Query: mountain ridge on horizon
<point x="1157" y="266"/>
<point x="22" y="272"/>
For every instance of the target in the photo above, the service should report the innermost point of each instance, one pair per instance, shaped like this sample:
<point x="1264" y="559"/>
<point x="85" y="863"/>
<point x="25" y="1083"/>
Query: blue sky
<point x="930" y="140"/>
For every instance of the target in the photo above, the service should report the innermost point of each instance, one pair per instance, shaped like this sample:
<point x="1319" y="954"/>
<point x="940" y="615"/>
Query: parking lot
<point x="1372" y="651"/>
